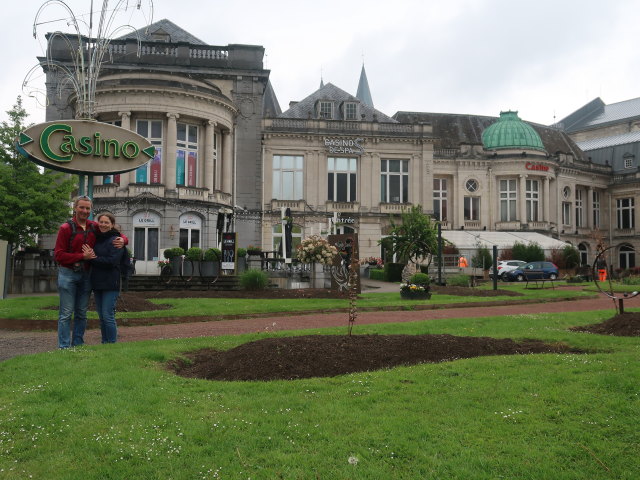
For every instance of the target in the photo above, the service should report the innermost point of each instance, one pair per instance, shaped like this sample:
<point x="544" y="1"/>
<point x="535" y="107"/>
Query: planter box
<point x="210" y="269"/>
<point x="406" y="295"/>
<point x="175" y="263"/>
<point x="241" y="265"/>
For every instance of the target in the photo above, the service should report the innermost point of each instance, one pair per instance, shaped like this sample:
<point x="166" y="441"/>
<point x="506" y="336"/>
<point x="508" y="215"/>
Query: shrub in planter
<point x="420" y="279"/>
<point x="253" y="250"/>
<point x="254" y="280"/>
<point x="212" y="255"/>
<point x="194" y="254"/>
<point x="376" y="274"/>
<point x="241" y="252"/>
<point x="173" y="252"/>
<point x="393" y="272"/>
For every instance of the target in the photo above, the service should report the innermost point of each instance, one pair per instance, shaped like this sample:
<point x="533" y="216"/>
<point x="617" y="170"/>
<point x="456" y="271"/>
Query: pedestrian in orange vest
<point x="462" y="262"/>
<point x="602" y="270"/>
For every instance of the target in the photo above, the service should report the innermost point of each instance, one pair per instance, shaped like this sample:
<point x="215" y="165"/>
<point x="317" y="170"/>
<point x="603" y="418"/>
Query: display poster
<point x="191" y="169"/>
<point x="156" y="166"/>
<point x="141" y="174"/>
<point x="229" y="251"/>
<point x="180" y="168"/>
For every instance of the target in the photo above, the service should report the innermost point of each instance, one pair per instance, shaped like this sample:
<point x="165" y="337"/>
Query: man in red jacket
<point x="74" y="286"/>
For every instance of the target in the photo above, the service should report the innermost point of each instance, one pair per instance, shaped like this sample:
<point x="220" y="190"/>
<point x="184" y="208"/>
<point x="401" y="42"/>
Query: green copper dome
<point x="511" y="132"/>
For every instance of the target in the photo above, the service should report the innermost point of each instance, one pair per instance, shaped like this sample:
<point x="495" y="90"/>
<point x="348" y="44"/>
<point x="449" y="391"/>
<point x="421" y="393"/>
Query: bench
<point x="537" y="281"/>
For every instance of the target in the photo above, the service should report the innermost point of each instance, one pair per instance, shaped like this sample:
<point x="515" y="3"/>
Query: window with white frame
<point x="342" y="179"/>
<point x="187" y="155"/>
<point x="278" y="238"/>
<point x="151" y="172"/>
<point x="596" y="209"/>
<point x="532" y="193"/>
<point x="287" y="177"/>
<point x="350" y="111"/>
<point x="626" y="257"/>
<point x="440" y="203"/>
<point x="579" y="209"/>
<point x="566" y="213"/>
<point x="326" y="110"/>
<point x="472" y="208"/>
<point x="628" y="161"/>
<point x="394" y="181"/>
<point x="508" y="200"/>
<point x="625" y="213"/>
<point x="584" y="254"/>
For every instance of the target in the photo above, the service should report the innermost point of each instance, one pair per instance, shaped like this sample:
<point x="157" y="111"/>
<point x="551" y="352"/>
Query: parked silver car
<point x="506" y="266"/>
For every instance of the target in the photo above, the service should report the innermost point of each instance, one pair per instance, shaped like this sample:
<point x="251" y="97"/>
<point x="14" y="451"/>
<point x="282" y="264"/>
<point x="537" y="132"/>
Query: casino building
<point x="228" y="158"/>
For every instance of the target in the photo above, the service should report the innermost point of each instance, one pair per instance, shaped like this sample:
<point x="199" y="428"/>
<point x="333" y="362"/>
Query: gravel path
<point x="14" y="343"/>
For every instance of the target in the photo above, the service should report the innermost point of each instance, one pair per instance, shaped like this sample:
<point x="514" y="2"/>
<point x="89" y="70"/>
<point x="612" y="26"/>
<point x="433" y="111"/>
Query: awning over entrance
<point x="470" y="240"/>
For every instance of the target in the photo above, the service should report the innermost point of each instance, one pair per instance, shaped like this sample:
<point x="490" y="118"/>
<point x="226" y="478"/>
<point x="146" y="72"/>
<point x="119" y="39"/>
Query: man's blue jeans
<point x="106" y="307"/>
<point x="74" y="289"/>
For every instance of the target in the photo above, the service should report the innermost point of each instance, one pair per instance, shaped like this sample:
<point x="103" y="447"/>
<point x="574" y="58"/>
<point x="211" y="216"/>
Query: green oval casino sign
<point x="84" y="146"/>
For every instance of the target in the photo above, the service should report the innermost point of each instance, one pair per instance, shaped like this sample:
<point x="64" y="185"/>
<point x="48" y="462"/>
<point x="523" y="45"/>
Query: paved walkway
<point x="14" y="343"/>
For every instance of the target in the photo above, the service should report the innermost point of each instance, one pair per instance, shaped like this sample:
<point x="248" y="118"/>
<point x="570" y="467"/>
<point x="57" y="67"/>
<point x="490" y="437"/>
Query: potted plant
<point x="318" y="252"/>
<point x="417" y="289"/>
<point x="253" y="250"/>
<point x="174" y="255"/>
<point x="211" y="263"/>
<point x="195" y="255"/>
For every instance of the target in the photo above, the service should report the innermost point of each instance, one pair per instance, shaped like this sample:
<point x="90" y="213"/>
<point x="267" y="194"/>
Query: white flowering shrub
<point x="315" y="249"/>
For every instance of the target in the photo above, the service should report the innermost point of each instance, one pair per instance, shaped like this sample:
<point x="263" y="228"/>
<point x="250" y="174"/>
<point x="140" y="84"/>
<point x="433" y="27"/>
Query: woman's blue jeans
<point x="106" y="307"/>
<point x="74" y="289"/>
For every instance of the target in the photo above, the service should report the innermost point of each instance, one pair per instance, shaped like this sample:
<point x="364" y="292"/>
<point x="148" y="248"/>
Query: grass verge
<point x="112" y="411"/>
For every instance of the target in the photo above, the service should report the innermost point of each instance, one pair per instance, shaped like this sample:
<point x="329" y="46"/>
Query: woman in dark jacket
<point x="105" y="276"/>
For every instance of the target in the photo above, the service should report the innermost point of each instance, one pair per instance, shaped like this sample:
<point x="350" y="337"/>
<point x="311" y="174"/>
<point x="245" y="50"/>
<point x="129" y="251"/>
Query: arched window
<point x="626" y="257"/>
<point x="190" y="228"/>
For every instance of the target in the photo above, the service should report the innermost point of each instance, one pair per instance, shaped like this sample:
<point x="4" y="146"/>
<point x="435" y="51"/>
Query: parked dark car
<point x="534" y="271"/>
<point x="505" y="266"/>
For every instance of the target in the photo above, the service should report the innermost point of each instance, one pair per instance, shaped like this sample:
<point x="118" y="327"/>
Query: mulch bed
<point x="307" y="356"/>
<point x="622" y="325"/>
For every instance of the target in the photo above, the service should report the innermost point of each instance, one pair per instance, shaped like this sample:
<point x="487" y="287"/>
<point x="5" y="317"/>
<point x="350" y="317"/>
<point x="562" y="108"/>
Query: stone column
<point x="227" y="162"/>
<point x="209" y="128"/>
<point x="456" y="200"/>
<point x="589" y="208"/>
<point x="171" y="149"/>
<point x="523" y="199"/>
<point x="546" y="206"/>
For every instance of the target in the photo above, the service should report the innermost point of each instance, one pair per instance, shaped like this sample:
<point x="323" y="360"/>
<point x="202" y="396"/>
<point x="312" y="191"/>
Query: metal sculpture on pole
<point x="74" y="60"/>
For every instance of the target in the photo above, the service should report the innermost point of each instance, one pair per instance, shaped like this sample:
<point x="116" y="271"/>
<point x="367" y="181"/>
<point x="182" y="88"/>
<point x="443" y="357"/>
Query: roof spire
<point x="321" y="81"/>
<point x="364" y="94"/>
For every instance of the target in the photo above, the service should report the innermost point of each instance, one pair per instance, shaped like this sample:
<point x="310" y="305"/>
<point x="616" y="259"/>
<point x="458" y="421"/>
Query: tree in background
<point x="414" y="239"/>
<point x="566" y="257"/>
<point x="528" y="252"/>
<point x="482" y="259"/>
<point x="31" y="202"/>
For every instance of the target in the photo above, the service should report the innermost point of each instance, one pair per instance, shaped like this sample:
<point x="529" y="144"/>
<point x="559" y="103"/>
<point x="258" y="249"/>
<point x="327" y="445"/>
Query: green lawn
<point x="114" y="412"/>
<point x="31" y="308"/>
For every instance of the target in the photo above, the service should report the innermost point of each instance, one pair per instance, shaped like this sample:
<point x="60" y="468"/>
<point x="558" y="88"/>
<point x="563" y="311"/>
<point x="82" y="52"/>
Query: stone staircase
<point x="148" y="283"/>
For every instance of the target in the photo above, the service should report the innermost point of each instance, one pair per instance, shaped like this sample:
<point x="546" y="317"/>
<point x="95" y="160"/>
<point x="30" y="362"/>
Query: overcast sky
<point x="544" y="59"/>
